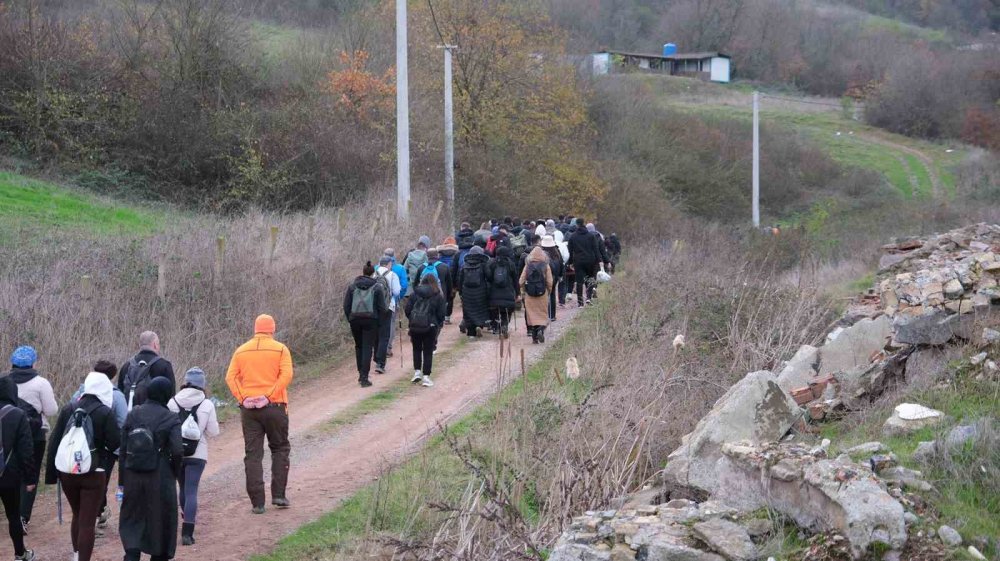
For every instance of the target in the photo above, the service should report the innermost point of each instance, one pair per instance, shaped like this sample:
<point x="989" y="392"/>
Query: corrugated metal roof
<point x="677" y="56"/>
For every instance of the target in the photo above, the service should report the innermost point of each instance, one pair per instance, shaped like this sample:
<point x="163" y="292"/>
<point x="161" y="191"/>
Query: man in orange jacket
<point x="258" y="378"/>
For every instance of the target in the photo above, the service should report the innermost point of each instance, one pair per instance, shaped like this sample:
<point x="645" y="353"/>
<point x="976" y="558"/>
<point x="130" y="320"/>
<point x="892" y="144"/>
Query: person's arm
<point x="112" y="440"/>
<point x="348" y="301"/>
<point x="461" y="280"/>
<point x="48" y="399"/>
<point x="548" y="279"/>
<point x="284" y="372"/>
<point x="120" y="407"/>
<point x="441" y="309"/>
<point x="54" y="437"/>
<point x="176" y="446"/>
<point x="26" y="452"/>
<point x="409" y="307"/>
<point x="394" y="285"/>
<point x="524" y="276"/>
<point x="212" y="423"/>
<point x="121" y="377"/>
<point x="168" y="373"/>
<point x="233" y="381"/>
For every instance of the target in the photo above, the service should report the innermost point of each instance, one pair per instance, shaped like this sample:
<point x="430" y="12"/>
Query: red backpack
<point x="491" y="247"/>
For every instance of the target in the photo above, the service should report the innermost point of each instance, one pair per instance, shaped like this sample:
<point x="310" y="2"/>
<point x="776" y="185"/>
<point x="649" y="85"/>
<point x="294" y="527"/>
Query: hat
<point x="195" y="377"/>
<point x="450" y="240"/>
<point x="591" y="227"/>
<point x="548" y="241"/>
<point x="476" y="250"/>
<point x="424" y="241"/>
<point x="264" y="324"/>
<point x="433" y="253"/>
<point x="390" y="252"/>
<point x="385" y="260"/>
<point x="23" y="357"/>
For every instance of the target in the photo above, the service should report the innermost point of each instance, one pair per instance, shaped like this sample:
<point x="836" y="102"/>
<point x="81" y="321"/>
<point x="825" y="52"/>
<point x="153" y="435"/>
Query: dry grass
<point x="43" y="301"/>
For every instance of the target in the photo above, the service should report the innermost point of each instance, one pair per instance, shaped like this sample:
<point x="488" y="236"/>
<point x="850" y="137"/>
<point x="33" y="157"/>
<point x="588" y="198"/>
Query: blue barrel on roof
<point x="669" y="49"/>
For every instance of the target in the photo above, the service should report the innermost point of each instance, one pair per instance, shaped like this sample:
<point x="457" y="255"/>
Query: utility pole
<point x="756" y="159"/>
<point x="402" y="115"/>
<point x="449" y="135"/>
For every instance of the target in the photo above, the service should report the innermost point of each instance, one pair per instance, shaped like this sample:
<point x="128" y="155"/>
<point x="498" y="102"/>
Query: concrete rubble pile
<point x="749" y="452"/>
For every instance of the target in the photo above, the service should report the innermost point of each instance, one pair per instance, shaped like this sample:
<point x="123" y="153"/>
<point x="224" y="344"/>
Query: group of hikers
<point x="156" y="434"/>
<point x="136" y="417"/>
<point x="505" y="264"/>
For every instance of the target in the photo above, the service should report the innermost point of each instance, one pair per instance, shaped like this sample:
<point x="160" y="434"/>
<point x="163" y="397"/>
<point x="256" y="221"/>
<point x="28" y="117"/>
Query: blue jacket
<point x="404" y="280"/>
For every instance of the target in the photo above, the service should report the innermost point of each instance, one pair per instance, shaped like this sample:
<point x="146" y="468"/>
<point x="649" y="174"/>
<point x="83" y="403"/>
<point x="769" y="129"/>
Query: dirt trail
<point x="327" y="465"/>
<point x="925" y="160"/>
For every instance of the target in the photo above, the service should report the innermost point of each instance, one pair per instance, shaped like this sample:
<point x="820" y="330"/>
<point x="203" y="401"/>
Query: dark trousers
<point x="136" y="555"/>
<point x="384" y="339"/>
<point x="107" y="482"/>
<point x="586" y="274"/>
<point x="564" y="289"/>
<point x="83" y="493"/>
<point x="451" y="304"/>
<point x="365" y="340"/>
<point x="424" y="345"/>
<point x="11" y="497"/>
<point x="189" y="479"/>
<point x="270" y="422"/>
<point x="28" y="498"/>
<point x="552" y="305"/>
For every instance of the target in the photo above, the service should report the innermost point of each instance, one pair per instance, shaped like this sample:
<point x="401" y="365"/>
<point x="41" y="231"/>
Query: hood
<point x="540" y="230"/>
<point x="99" y="386"/>
<point x="516" y="230"/>
<point x="504" y="252"/>
<point x="418" y="254"/>
<point x="364" y="282"/>
<point x="425" y="291"/>
<point x="448" y="249"/>
<point x="161" y="390"/>
<point x="476" y="259"/>
<point x="22" y="375"/>
<point x="189" y="397"/>
<point x="536" y="255"/>
<point x="8" y="391"/>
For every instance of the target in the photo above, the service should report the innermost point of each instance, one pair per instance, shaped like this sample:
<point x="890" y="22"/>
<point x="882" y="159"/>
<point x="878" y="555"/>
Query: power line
<point x="435" y="20"/>
<point x="806" y="101"/>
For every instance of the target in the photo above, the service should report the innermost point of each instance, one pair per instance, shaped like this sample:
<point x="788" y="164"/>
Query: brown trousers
<point x="272" y="422"/>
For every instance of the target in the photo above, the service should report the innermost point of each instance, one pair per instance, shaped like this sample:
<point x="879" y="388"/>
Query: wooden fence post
<point x="273" y="245"/>
<point x="220" y="253"/>
<point x="86" y="287"/>
<point x="437" y="213"/>
<point x="523" y="371"/>
<point x="161" y="277"/>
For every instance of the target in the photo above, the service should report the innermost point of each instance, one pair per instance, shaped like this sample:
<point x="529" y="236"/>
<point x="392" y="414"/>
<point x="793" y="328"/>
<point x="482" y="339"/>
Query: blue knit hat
<point x="23" y="357"/>
<point x="195" y="377"/>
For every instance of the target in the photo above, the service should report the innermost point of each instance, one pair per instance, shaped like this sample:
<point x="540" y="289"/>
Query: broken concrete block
<point x="855" y="346"/>
<point x="800" y="370"/>
<point x="727" y="538"/>
<point x="908" y="418"/>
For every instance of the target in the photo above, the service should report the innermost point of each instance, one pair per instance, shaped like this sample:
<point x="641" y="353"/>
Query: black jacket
<point x="15" y="434"/>
<point x="585" y="248"/>
<point x="503" y="290"/>
<point x="161" y="369"/>
<point x="365" y="283"/>
<point x="555" y="263"/>
<point x="444" y="274"/>
<point x="466" y="238"/>
<point x="107" y="436"/>
<point x="438" y="304"/>
<point x="473" y="285"/>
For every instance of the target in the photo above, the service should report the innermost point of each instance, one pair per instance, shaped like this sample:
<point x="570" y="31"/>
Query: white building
<point x="710" y="66"/>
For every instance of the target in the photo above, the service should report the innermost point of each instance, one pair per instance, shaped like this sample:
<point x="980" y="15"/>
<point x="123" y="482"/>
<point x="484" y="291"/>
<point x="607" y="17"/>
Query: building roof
<point x="676" y="56"/>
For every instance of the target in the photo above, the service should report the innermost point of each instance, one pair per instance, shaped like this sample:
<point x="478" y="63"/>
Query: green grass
<point x="31" y="204"/>
<point x="396" y="503"/>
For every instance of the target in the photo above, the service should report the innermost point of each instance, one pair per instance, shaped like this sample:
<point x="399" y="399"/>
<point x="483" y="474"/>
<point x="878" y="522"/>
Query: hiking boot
<point x="102" y="520"/>
<point x="187" y="534"/>
<point x="417" y="377"/>
<point x="427" y="383"/>
<point x="541" y="335"/>
<point x="379" y="369"/>
<point x="281" y="502"/>
<point x="28" y="555"/>
<point x="447" y="320"/>
<point x="366" y="383"/>
<point x="479" y="332"/>
<point x="258" y="509"/>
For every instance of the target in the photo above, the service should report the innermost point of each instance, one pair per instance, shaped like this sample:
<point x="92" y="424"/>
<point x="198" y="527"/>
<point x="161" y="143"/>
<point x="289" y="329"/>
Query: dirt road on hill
<point x="328" y="464"/>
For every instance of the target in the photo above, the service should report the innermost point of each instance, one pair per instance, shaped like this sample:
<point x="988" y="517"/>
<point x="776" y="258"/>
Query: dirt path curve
<point x="924" y="159"/>
<point x="327" y="465"/>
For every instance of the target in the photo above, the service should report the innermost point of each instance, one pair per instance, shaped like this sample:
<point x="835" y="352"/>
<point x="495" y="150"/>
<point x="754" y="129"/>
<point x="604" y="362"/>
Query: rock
<point x="622" y="552"/>
<point x="991" y="336"/>
<point x="978" y="359"/>
<point x="975" y="554"/>
<point x="959" y="435"/>
<point x="800" y="370"/>
<point x="935" y="327"/>
<point x="759" y="527"/>
<point x="925" y="452"/>
<point x="953" y="289"/>
<point x="755" y="409"/>
<point x="910" y="519"/>
<point x="830" y="496"/>
<point x="727" y="538"/>
<point x="866" y="449"/>
<point x="892" y="555"/>
<point x="909" y="418"/>
<point x="925" y="366"/>
<point x="949" y="536"/>
<point x="680" y="503"/>
<point x="855" y="346"/>
<point x="577" y="552"/>
<point x="670" y="550"/>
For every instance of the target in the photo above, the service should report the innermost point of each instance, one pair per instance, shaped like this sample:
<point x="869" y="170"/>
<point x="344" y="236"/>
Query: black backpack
<point x="474" y="276"/>
<point x="534" y="284"/>
<point x="422" y="318"/>
<point x="4" y="457"/>
<point x="141" y="455"/>
<point x="501" y="276"/>
<point x="34" y="419"/>
<point x="466" y="241"/>
<point x="137" y="380"/>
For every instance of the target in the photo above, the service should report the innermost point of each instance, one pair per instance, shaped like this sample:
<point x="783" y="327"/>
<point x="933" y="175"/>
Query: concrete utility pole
<point x="402" y="115"/>
<point x="449" y="136"/>
<point x="756" y="159"/>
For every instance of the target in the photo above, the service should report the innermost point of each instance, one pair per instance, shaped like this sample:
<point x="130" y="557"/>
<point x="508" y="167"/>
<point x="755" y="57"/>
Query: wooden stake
<point x="273" y="245"/>
<point x="220" y="254"/>
<point x="523" y="371"/>
<point x="437" y="213"/>
<point x="85" y="287"/>
<point x="559" y="377"/>
<point x="161" y="277"/>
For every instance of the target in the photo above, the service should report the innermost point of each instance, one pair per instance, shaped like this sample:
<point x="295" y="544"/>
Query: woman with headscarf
<point x="152" y="450"/>
<point x="536" y="284"/>
<point x="85" y="491"/>
<point x="19" y="473"/>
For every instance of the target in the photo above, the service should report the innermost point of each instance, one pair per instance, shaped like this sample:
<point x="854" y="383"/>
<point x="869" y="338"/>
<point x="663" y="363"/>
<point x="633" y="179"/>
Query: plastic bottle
<point x="120" y="494"/>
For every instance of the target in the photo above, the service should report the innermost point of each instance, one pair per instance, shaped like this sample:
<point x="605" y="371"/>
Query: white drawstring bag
<point x="603" y="277"/>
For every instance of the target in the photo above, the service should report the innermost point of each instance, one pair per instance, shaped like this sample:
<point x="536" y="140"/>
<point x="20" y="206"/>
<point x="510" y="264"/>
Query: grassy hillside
<point x="27" y="204"/>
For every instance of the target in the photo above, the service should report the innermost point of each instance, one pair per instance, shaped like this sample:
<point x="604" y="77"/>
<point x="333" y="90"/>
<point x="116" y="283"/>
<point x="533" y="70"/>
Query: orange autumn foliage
<point x="360" y="92"/>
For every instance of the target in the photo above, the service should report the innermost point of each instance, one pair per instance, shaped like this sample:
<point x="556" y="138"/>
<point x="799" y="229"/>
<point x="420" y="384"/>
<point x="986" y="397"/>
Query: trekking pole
<point x="59" y="501"/>
<point x="399" y="329"/>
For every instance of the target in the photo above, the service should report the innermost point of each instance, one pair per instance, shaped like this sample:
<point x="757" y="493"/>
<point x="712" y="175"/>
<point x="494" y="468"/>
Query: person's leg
<point x="451" y="307"/>
<point x="384" y="332"/>
<point x="91" y="487"/>
<point x="132" y="555"/>
<point x="417" y="343"/>
<point x="253" y="439"/>
<point x="368" y="339"/>
<point x="193" y="470"/>
<point x="563" y="290"/>
<point x="393" y="324"/>
<point x="11" y="498"/>
<point x="72" y="487"/>
<point x="102" y="519"/>
<point x="181" y="498"/>
<point x="276" y="425"/>
<point x="552" y="305"/>
<point x="358" y="335"/>
<point x="28" y="497"/>
<point x="428" y="345"/>
<point x="580" y="300"/>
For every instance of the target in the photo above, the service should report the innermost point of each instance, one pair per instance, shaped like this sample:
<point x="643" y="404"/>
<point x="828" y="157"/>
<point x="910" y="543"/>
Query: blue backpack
<point x="430" y="269"/>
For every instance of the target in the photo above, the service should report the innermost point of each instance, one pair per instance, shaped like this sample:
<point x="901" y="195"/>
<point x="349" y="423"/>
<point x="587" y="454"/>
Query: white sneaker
<point x="417" y="377"/>
<point x="427" y="383"/>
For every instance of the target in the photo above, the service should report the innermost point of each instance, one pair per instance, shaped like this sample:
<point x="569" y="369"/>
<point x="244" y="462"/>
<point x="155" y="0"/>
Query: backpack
<point x="34" y="419"/>
<point x="430" y="269"/>
<point x="491" y="246"/>
<point x="465" y="241"/>
<point x="137" y="380"/>
<point x="501" y="276"/>
<point x="75" y="453"/>
<point x="415" y="262"/>
<point x="473" y="281"/>
<point x="381" y="279"/>
<point x="461" y="258"/>
<point x="363" y="302"/>
<point x="4" y="458"/>
<point x="519" y="242"/>
<point x="422" y="318"/>
<point x="535" y="282"/>
<point x="190" y="429"/>
<point x="141" y="453"/>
